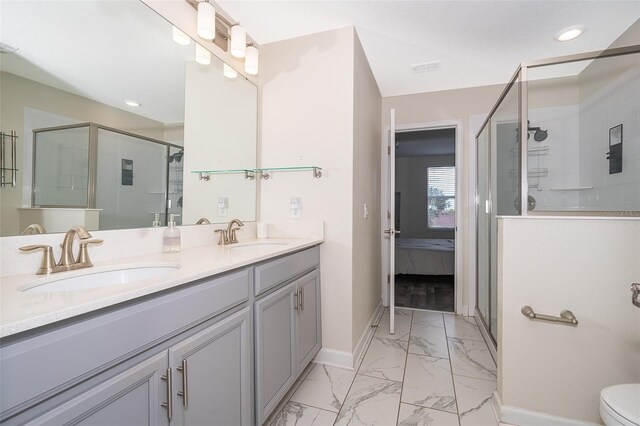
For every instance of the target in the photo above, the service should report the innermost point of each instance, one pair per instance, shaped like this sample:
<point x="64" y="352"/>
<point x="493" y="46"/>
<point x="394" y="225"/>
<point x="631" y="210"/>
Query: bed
<point x="425" y="256"/>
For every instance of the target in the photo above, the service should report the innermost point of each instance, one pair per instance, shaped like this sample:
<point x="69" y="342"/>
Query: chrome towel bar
<point x="566" y="317"/>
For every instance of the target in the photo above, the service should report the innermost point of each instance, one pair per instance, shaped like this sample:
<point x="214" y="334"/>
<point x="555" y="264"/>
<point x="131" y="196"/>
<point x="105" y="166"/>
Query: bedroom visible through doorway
<point x="425" y="200"/>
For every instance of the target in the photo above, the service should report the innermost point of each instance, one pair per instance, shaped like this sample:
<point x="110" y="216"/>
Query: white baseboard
<point x="367" y="333"/>
<point x="335" y="358"/>
<point x="349" y="360"/>
<point x="522" y="417"/>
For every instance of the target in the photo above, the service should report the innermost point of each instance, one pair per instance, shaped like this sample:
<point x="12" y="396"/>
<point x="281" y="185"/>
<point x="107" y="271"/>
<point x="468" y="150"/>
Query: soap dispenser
<point x="171" y="237"/>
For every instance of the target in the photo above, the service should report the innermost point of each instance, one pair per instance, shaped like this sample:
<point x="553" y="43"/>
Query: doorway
<point x="425" y="218"/>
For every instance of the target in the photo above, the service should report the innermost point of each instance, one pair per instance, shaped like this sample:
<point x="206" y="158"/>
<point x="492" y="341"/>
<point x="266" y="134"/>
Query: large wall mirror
<point x="106" y="112"/>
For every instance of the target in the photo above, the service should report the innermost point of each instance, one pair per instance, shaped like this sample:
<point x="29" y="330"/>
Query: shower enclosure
<point x="562" y="139"/>
<point x="129" y="178"/>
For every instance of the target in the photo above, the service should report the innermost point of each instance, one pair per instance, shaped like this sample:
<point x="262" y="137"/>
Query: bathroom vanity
<point x="211" y="343"/>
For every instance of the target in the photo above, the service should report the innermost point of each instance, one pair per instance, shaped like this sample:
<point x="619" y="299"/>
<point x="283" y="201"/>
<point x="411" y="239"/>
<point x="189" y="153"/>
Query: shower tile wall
<point x="616" y="103"/>
<point x="578" y="142"/>
<point x="561" y="159"/>
<point x="123" y="205"/>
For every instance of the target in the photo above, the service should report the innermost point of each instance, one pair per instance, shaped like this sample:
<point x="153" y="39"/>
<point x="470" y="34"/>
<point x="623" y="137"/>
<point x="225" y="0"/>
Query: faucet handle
<point x="48" y="261"/>
<point x="83" y="254"/>
<point x="224" y="239"/>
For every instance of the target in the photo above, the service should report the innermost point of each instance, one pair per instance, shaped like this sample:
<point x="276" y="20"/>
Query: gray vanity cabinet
<point x="133" y="397"/>
<point x="275" y="350"/>
<point x="212" y="374"/>
<point x="308" y="319"/>
<point x="287" y="325"/>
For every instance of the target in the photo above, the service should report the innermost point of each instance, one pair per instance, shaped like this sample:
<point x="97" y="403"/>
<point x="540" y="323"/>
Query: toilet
<point x="620" y="405"/>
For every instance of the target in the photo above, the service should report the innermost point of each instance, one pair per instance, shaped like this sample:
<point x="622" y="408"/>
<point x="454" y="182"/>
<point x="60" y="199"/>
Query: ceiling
<point x="478" y="42"/>
<point x="108" y="51"/>
<point x="426" y="142"/>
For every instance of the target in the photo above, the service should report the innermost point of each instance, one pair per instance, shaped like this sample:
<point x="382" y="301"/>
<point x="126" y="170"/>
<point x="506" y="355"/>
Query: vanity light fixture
<point x="232" y="38"/>
<point x="229" y="72"/>
<point x="569" y="33"/>
<point x="203" y="56"/>
<point x="132" y="103"/>
<point x="238" y="41"/>
<point x="251" y="61"/>
<point x="206" y="20"/>
<point x="181" y="38"/>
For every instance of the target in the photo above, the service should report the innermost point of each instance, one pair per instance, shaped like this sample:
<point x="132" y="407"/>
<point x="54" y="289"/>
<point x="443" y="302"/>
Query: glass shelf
<point x="206" y="174"/>
<point x="263" y="173"/>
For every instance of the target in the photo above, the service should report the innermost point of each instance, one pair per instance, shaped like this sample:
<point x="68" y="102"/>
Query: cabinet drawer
<point x="276" y="272"/>
<point x="37" y="367"/>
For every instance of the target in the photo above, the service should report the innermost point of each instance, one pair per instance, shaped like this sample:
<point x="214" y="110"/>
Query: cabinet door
<point x="275" y="351"/>
<point x="308" y="319"/>
<point x="212" y="374"/>
<point x="133" y="397"/>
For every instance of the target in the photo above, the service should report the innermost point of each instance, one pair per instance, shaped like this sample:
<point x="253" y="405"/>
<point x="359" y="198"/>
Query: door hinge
<point x="388" y="150"/>
<point x="388" y="279"/>
<point x="388" y="214"/>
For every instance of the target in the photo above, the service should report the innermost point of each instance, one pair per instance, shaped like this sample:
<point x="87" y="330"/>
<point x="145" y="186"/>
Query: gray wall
<point x="411" y="183"/>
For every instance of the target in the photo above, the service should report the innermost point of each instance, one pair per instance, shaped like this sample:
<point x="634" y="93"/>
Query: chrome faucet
<point x="67" y="261"/>
<point x="228" y="236"/>
<point x="203" y="221"/>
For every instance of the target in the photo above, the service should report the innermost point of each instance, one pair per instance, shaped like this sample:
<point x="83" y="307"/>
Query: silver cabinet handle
<point x="566" y="317"/>
<point x="169" y="404"/>
<point x="184" y="393"/>
<point x="296" y="304"/>
<point x="302" y="299"/>
<point x="635" y="294"/>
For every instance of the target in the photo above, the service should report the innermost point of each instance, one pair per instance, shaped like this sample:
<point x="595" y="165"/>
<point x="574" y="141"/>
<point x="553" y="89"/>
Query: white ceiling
<point x="108" y="51"/>
<point x="478" y="42"/>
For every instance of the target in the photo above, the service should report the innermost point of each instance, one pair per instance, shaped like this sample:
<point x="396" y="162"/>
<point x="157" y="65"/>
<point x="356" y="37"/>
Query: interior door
<point x="390" y="231"/>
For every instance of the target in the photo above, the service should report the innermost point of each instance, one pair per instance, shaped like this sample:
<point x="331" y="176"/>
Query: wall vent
<point x="427" y="67"/>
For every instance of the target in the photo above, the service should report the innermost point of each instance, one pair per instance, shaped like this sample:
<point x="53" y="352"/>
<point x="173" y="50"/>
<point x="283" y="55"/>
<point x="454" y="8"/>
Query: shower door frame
<point x="520" y="77"/>
<point x="93" y="161"/>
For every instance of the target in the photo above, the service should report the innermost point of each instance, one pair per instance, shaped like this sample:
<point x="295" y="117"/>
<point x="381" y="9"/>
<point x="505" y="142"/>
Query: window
<point x="441" y="197"/>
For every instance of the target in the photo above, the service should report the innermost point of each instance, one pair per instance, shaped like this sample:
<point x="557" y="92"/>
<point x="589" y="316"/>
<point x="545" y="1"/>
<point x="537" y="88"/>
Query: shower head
<point x="539" y="135"/>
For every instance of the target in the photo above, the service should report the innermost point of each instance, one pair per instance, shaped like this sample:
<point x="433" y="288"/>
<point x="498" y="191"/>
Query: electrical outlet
<point x="366" y="211"/>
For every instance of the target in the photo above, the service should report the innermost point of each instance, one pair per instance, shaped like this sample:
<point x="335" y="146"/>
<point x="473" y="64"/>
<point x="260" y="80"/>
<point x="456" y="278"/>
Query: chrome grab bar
<point x="566" y="317"/>
<point x="635" y="294"/>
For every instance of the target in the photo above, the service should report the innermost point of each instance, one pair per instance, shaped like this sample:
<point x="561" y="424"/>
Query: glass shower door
<point x="498" y="147"/>
<point x="483" y="220"/>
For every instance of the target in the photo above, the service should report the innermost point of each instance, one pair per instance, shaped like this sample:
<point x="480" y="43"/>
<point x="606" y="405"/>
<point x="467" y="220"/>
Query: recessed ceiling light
<point x="180" y="37"/>
<point x="569" y="33"/>
<point x="132" y="103"/>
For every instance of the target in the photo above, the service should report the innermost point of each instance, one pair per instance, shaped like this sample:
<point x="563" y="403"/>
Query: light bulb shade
<point x="203" y="56"/>
<point x="251" y="61"/>
<point x="206" y="20"/>
<point x="180" y="37"/>
<point x="229" y="72"/>
<point x="238" y="41"/>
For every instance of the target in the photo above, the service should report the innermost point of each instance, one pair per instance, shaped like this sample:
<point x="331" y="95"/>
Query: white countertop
<point x="21" y="311"/>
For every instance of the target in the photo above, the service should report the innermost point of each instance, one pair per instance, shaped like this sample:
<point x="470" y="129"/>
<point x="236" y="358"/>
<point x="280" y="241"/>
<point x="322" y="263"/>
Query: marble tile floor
<point x="435" y="370"/>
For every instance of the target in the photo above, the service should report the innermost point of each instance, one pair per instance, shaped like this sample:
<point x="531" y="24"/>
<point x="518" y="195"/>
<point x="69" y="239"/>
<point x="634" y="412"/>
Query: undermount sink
<point x="258" y="245"/>
<point x="98" y="279"/>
